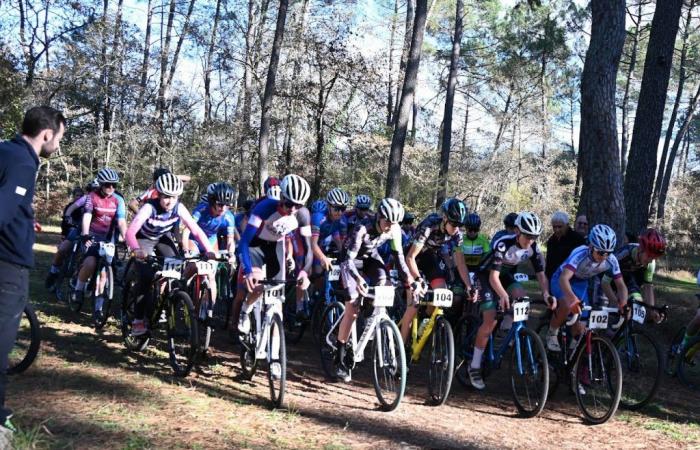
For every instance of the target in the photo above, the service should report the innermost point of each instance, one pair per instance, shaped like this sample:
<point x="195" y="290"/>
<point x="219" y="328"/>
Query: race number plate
<point x="521" y="277"/>
<point x="205" y="268"/>
<point x="274" y="293"/>
<point x="384" y="296"/>
<point x="334" y="274"/>
<point x="442" y="298"/>
<point x="639" y="313"/>
<point x="106" y="249"/>
<point x="521" y="311"/>
<point x="172" y="268"/>
<point x="598" y="320"/>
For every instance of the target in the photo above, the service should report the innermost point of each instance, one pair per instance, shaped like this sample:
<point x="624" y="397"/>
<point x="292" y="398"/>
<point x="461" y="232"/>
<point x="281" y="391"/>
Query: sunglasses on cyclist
<point x="290" y="204"/>
<point x="529" y="236"/>
<point x="109" y="185"/>
<point x="473" y="230"/>
<point x="220" y="205"/>
<point x="363" y="209"/>
<point x="338" y="208"/>
<point x="454" y="224"/>
<point x="601" y="253"/>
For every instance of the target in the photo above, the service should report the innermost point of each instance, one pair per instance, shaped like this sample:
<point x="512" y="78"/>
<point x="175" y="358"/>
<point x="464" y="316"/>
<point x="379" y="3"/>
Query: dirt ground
<point x="86" y="391"/>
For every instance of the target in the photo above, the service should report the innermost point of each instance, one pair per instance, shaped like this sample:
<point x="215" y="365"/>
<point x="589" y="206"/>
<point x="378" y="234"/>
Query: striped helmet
<point x="602" y="238"/>
<point x="363" y="201"/>
<point x="392" y="210"/>
<point x="319" y="207"/>
<point x="107" y="175"/>
<point x="169" y="184"/>
<point x="528" y="223"/>
<point x="274" y="192"/>
<point x="295" y="189"/>
<point x="338" y="197"/>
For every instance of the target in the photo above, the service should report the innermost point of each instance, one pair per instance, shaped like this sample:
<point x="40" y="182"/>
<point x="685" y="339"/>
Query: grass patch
<point x="33" y="437"/>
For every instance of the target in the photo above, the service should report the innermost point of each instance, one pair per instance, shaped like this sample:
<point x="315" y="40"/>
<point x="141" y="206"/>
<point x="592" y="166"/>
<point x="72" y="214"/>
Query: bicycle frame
<point x="271" y="302"/>
<point x="495" y="357"/>
<point x="417" y="344"/>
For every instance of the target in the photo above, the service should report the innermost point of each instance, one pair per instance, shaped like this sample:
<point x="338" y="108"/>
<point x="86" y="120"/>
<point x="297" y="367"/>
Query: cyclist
<point x="431" y="235"/>
<point x="637" y="264"/>
<point x="509" y="227"/>
<point x="496" y="279"/>
<point x="570" y="281"/>
<point x="69" y="232"/>
<point x="102" y="209"/>
<point x="151" y="193"/>
<point x="215" y="220"/>
<point x="150" y="231"/>
<point x="328" y="230"/>
<point x="363" y="203"/>
<point x="692" y="329"/>
<point x="262" y="247"/>
<point x="363" y="244"/>
<point x="407" y="229"/>
<point x="68" y="222"/>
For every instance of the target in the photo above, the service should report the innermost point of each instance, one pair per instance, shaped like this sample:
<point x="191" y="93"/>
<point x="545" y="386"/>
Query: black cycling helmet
<point x="408" y="219"/>
<point x="223" y="193"/>
<point x="455" y="210"/>
<point x="509" y="220"/>
<point x="159" y="171"/>
<point x="473" y="221"/>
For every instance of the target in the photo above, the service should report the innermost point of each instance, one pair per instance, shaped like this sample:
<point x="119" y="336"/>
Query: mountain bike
<point x="68" y="275"/>
<point x="683" y="360"/>
<point x="100" y="286"/>
<point x="27" y="343"/>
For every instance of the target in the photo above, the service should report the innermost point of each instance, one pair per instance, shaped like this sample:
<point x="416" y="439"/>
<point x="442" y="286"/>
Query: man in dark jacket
<point x="561" y="243"/>
<point x="42" y="130"/>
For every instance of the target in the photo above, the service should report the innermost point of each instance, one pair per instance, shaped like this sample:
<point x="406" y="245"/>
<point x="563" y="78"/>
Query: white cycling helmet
<point x="169" y="184"/>
<point x="338" y="197"/>
<point x="602" y="238"/>
<point x="274" y="193"/>
<point x="528" y="223"/>
<point x="107" y="175"/>
<point x="392" y="210"/>
<point x="363" y="201"/>
<point x="295" y="189"/>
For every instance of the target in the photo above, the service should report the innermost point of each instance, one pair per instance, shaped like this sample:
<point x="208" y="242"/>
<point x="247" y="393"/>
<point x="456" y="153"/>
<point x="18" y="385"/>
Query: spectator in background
<point x="581" y="225"/>
<point x="562" y="242"/>
<point x="509" y="224"/>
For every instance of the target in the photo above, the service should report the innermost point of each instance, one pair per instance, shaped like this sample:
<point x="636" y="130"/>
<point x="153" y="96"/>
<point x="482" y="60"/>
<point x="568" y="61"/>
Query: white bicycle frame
<point x="272" y="300"/>
<point x="371" y="331"/>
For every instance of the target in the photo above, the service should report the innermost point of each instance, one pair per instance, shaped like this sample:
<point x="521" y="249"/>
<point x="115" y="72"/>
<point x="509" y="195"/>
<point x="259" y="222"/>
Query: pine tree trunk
<point x="639" y="179"/>
<point x="628" y="83"/>
<point x="407" y="96"/>
<point x="270" y="92"/>
<point x="449" y="105"/>
<point x="390" y="90"/>
<point x="140" y="103"/>
<point x="410" y="16"/>
<point x="164" y="54"/>
<point x="208" y="65"/>
<point x="601" y="194"/>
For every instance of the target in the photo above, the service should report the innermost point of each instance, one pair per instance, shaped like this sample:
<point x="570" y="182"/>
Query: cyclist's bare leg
<point x="351" y="310"/>
<point x="87" y="269"/>
<point x="63" y="249"/>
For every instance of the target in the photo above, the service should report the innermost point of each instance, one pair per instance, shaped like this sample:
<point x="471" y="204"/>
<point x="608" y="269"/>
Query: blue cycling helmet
<point x="319" y="206"/>
<point x="473" y="221"/>
<point x="455" y="210"/>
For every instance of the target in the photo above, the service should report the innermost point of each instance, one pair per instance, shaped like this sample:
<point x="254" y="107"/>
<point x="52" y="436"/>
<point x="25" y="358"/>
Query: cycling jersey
<point x="628" y="259"/>
<point x="267" y="224"/>
<point x="328" y="230"/>
<point x="506" y="254"/>
<point x="75" y="216"/>
<point x="584" y="267"/>
<point x="149" y="194"/>
<point x="352" y="219"/>
<point x="213" y="226"/>
<point x="474" y="250"/>
<point x="431" y="234"/>
<point x="104" y="211"/>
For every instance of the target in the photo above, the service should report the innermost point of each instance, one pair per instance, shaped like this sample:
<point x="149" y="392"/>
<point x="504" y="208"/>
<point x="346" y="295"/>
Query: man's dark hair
<point x="42" y="118"/>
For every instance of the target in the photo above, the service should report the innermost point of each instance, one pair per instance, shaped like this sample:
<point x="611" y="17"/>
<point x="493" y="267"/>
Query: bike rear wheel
<point x="294" y="323"/>
<point x="63" y="283"/>
<point x="389" y="365"/>
<point x="328" y="333"/>
<point x="249" y="364"/>
<point x="597" y="379"/>
<point x="642" y="366"/>
<point x="442" y="361"/>
<point x="529" y="373"/>
<point x="204" y="318"/>
<point x="464" y="348"/>
<point x="27" y="343"/>
<point x="182" y="333"/>
<point x="129" y="299"/>
<point x="673" y="352"/>
<point x="277" y="382"/>
<point x="689" y="364"/>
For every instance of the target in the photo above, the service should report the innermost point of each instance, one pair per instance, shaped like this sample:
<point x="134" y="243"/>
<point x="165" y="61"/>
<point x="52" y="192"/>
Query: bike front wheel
<point x="442" y="361"/>
<point x="249" y="343"/>
<point x="107" y="296"/>
<point x="27" y="343"/>
<point x="529" y="373"/>
<point x="464" y="348"/>
<point x="182" y="333"/>
<point x="389" y="361"/>
<point x="329" y="324"/>
<point x="642" y="366"/>
<point x="277" y="361"/>
<point x="689" y="364"/>
<point x="597" y="379"/>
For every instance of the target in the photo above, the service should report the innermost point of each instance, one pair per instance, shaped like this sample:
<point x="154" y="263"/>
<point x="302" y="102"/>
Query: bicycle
<point x="640" y="355"/>
<point x="27" y="343"/>
<point x="442" y="346"/>
<point x="266" y="340"/>
<point x="591" y="364"/>
<point x="389" y="358"/>
<point x="225" y="293"/>
<point x="68" y="275"/>
<point x="201" y="295"/>
<point x="103" y="271"/>
<point x="173" y="308"/>
<point x="528" y="362"/>
<point x="684" y="360"/>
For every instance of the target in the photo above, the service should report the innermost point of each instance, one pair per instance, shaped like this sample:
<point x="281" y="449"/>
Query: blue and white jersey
<point x="160" y="221"/>
<point x="581" y="263"/>
<point x="212" y="226"/>
<point x="268" y="224"/>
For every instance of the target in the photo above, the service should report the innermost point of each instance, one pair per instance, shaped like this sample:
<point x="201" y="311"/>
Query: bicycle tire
<point x="181" y="360"/>
<point x="673" y="351"/>
<point x="249" y="363"/>
<point x="20" y="359"/>
<point x="277" y="393"/>
<point x="294" y="328"/>
<point x="689" y="369"/>
<point x="442" y="361"/>
<point x="533" y="359"/>
<point x="611" y="377"/>
<point x="132" y="343"/>
<point x="393" y="365"/>
<point x="316" y="316"/>
<point x="464" y="348"/>
<point x="637" y="360"/>
<point x="107" y="295"/>
<point x="330" y="317"/>
<point x="204" y="318"/>
<point x="63" y="287"/>
<point x="554" y="359"/>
